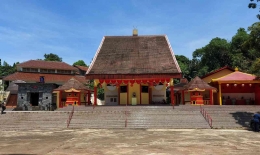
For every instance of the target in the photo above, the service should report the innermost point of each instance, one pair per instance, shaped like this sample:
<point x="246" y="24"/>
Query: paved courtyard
<point x="130" y="142"/>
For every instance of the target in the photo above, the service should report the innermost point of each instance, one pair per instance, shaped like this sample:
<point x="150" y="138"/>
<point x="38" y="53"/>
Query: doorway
<point x="34" y="100"/>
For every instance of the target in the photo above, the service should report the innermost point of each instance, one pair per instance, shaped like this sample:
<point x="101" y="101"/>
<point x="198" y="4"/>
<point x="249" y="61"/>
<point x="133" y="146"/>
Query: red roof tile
<point x="84" y="68"/>
<point x="218" y="70"/>
<point x="134" y="55"/>
<point x="72" y="83"/>
<point x="49" y="78"/>
<point x="236" y="76"/>
<point x="46" y="65"/>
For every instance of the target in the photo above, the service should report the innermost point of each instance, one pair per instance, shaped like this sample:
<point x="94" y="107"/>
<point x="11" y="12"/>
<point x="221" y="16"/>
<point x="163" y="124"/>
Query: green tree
<point x="255" y="69"/>
<point x="184" y="65"/>
<point x="240" y="54"/>
<point x="253" y="41"/>
<point x="7" y="69"/>
<point x="52" y="57"/>
<point x="100" y="91"/>
<point x="210" y="57"/>
<point x="253" y="5"/>
<point x="79" y="63"/>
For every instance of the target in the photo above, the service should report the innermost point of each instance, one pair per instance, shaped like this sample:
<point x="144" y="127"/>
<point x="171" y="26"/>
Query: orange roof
<point x="49" y="78"/>
<point x="46" y="65"/>
<point x="218" y="70"/>
<point x="236" y="76"/>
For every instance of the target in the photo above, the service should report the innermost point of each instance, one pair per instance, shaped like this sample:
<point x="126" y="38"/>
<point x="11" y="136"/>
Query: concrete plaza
<point x="130" y="142"/>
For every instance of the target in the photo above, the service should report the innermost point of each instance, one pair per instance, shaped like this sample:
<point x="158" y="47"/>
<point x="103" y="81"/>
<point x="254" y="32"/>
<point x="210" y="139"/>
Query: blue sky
<point x="73" y="29"/>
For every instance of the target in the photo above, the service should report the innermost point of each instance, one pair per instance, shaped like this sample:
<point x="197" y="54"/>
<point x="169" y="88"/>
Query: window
<point x="144" y="89"/>
<point x="123" y="89"/>
<point x="30" y="70"/>
<point x="111" y="99"/>
<point x="114" y="99"/>
<point x="64" y="71"/>
<point x="44" y="70"/>
<point x="51" y="71"/>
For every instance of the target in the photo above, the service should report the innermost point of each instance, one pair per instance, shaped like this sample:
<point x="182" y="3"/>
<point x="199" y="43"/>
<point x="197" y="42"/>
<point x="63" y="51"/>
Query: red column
<point x="150" y="94"/>
<point x="127" y="102"/>
<point x="79" y="102"/>
<point x="140" y="93"/>
<point x="172" y="95"/>
<point x="182" y="97"/>
<point x="118" y="89"/>
<point x="89" y="94"/>
<point x="95" y="95"/>
<point x="60" y="95"/>
<point x="210" y="97"/>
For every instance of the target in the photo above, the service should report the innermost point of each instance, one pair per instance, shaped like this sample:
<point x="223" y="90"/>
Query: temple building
<point x="134" y="69"/>
<point x="40" y="78"/>
<point x="237" y="88"/>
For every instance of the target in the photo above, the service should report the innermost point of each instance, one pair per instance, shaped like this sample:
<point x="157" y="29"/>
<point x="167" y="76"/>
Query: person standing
<point x="256" y="122"/>
<point x="3" y="107"/>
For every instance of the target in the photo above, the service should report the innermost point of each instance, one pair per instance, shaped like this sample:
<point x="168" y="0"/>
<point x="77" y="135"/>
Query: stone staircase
<point x="142" y="117"/>
<point x="30" y="120"/>
<point x="231" y="116"/>
<point x="138" y="117"/>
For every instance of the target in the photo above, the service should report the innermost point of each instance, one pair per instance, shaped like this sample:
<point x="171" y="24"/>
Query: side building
<point x="40" y="78"/>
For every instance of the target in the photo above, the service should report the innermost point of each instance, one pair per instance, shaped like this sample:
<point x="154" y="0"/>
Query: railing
<point x="70" y="116"/>
<point x="125" y="115"/>
<point x="206" y="116"/>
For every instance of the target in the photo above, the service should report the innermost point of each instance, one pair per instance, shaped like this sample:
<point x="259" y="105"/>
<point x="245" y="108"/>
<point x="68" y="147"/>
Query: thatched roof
<point x="198" y="84"/>
<point x="134" y="55"/>
<point x="72" y="84"/>
<point x="13" y="87"/>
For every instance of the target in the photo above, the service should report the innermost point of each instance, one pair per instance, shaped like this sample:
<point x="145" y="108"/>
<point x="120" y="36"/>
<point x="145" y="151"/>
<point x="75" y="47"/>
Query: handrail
<point x="206" y="116"/>
<point x="70" y="116"/>
<point x="125" y="115"/>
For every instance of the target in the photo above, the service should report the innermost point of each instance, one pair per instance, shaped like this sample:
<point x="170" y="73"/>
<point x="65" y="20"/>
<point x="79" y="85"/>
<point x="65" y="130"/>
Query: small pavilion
<point x="237" y="88"/>
<point x="198" y="92"/>
<point x="73" y="92"/>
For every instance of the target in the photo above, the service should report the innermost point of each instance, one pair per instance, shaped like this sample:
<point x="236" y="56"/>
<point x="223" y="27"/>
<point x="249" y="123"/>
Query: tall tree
<point x="79" y="63"/>
<point x="240" y="54"/>
<point x="52" y="57"/>
<point x="253" y="5"/>
<point x="184" y="65"/>
<point x="213" y="56"/>
<point x="7" y="69"/>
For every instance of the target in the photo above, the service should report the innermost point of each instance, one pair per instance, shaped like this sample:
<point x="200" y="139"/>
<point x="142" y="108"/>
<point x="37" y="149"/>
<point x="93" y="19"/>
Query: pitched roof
<point x="13" y="87"/>
<point x="72" y="84"/>
<point x="46" y="65"/>
<point x="83" y="68"/>
<point x="198" y="84"/>
<point x="218" y="70"/>
<point x="236" y="76"/>
<point x="49" y="78"/>
<point x="134" y="55"/>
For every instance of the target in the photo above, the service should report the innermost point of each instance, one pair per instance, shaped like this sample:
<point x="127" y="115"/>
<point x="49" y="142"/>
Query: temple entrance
<point x="34" y="100"/>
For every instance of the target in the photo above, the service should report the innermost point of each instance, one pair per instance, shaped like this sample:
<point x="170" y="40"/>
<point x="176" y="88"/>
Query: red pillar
<point x="182" y="97"/>
<point x="140" y="93"/>
<point x="95" y="95"/>
<point x="127" y="102"/>
<point x="79" y="102"/>
<point x="89" y="94"/>
<point x="210" y="97"/>
<point x="172" y="95"/>
<point x="150" y="94"/>
<point x="60" y="95"/>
